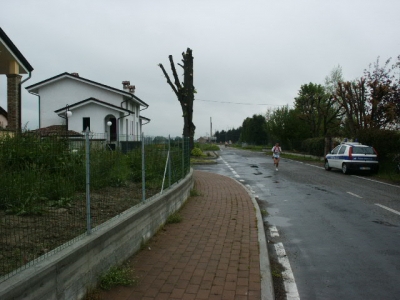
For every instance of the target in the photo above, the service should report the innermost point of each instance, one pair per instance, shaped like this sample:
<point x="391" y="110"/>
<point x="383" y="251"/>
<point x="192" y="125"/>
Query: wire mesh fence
<point x="55" y="190"/>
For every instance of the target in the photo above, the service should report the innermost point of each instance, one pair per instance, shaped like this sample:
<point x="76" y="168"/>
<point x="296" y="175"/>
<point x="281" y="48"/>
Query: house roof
<point x="55" y="130"/>
<point x="144" y="118"/>
<point x="3" y="112"/>
<point x="92" y="100"/>
<point x="34" y="88"/>
<point x="9" y="52"/>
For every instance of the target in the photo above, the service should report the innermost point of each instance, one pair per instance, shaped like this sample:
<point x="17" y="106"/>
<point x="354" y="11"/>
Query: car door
<point x="332" y="157"/>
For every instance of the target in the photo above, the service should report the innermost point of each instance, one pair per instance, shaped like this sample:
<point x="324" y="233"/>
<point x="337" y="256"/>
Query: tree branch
<point x="169" y="81"/>
<point x="177" y="83"/>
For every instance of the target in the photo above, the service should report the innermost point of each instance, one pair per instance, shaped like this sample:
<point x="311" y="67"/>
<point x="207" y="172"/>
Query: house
<point x="78" y="103"/>
<point x="202" y="140"/>
<point x="13" y="64"/>
<point x="3" y="118"/>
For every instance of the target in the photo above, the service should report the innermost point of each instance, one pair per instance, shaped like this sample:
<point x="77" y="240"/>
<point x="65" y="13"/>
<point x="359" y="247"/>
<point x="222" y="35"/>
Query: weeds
<point x="115" y="276"/>
<point x="174" y="218"/>
<point x="194" y="193"/>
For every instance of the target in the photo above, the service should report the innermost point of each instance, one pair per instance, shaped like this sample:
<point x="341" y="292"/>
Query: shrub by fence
<point x="55" y="190"/>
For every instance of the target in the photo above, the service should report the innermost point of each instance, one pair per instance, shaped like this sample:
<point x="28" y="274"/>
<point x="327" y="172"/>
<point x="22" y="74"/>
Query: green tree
<point x="285" y="126"/>
<point x="254" y="130"/>
<point x="317" y="108"/>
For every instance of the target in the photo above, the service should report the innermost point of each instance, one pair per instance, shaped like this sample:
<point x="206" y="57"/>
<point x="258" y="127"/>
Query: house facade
<point x="79" y="103"/>
<point x="3" y="118"/>
<point x="14" y="65"/>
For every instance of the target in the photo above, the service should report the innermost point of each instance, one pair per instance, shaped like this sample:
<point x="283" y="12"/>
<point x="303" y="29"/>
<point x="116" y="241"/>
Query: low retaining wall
<point x="71" y="272"/>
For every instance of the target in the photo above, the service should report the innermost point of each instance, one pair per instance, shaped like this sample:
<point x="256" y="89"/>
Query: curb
<point x="267" y="289"/>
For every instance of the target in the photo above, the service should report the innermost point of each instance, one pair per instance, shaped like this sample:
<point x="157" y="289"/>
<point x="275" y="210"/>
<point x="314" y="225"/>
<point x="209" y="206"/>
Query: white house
<point x="3" y="118"/>
<point x="77" y="103"/>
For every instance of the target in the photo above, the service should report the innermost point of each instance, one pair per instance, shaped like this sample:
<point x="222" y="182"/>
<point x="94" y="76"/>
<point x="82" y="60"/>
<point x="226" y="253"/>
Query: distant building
<point x="202" y="140"/>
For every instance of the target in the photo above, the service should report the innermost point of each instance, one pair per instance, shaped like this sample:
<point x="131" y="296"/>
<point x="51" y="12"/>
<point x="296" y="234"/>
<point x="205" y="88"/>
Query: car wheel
<point x="344" y="169"/>
<point x="327" y="167"/>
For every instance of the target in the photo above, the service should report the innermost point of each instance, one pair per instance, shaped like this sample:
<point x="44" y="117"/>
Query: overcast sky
<point x="257" y="52"/>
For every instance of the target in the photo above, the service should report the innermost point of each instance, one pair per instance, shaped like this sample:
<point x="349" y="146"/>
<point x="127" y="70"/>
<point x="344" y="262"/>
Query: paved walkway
<point x="213" y="253"/>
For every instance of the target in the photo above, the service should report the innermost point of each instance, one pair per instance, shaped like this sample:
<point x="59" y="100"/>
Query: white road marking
<point x="360" y="177"/>
<point x="388" y="208"/>
<point x="355" y="195"/>
<point x="392" y="185"/>
<point x="288" y="278"/>
<point x="273" y="231"/>
<point x="230" y="168"/>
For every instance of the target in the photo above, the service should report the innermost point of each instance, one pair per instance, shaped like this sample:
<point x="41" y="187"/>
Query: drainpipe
<point x="27" y="78"/>
<point x="38" y="102"/>
<point x="122" y="125"/>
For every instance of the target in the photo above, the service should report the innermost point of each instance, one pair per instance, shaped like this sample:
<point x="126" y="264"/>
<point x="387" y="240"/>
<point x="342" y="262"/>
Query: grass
<point x="264" y="212"/>
<point x="194" y="193"/>
<point x="116" y="276"/>
<point x="174" y="218"/>
<point x="301" y="157"/>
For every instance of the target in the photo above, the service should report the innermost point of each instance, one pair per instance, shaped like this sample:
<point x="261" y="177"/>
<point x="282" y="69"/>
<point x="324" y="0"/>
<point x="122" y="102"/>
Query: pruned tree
<point x="184" y="91"/>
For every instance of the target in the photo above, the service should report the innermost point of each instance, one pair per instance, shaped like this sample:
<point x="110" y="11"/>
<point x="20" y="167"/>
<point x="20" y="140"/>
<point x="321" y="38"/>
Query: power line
<point x="228" y="102"/>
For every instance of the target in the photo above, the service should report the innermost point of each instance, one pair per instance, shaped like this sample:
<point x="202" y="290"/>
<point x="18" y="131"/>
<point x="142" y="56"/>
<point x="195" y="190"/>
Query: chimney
<point x="75" y="74"/>
<point x="125" y="85"/>
<point x="132" y="89"/>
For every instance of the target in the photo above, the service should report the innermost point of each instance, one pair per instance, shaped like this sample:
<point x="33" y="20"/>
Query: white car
<point x="352" y="157"/>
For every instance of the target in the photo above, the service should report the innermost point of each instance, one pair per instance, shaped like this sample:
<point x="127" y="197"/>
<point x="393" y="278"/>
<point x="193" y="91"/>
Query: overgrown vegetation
<point x="116" y="276"/>
<point x="40" y="173"/>
<point x="194" y="193"/>
<point x="43" y="195"/>
<point x="174" y="218"/>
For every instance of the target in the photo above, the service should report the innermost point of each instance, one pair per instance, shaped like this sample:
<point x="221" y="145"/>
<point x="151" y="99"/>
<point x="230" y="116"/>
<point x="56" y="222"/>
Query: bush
<point x="314" y="146"/>
<point x="197" y="152"/>
<point x="385" y="142"/>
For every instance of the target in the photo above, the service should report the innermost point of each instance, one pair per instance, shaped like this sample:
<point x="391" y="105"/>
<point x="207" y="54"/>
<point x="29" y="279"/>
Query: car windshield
<point x="363" y="150"/>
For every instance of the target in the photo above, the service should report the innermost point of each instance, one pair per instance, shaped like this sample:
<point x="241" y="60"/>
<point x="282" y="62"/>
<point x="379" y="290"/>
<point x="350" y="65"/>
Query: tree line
<point x="367" y="109"/>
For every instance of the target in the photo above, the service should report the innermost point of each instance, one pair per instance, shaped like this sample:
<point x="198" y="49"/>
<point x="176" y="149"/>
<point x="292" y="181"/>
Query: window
<point x="363" y="150"/>
<point x="335" y="151"/>
<point x="342" y="150"/>
<point x="86" y="123"/>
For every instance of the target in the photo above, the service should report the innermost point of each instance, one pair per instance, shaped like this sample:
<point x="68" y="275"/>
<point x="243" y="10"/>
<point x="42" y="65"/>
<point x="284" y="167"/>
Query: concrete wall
<point x="69" y="273"/>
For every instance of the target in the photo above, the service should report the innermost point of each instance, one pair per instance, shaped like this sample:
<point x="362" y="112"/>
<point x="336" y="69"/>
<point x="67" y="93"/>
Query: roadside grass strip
<point x="288" y="278"/>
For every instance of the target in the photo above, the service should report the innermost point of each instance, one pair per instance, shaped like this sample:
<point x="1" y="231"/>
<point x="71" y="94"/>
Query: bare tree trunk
<point x="185" y="92"/>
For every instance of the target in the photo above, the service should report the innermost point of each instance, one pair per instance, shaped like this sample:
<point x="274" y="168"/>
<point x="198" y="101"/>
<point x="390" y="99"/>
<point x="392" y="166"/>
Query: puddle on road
<point x="384" y="223"/>
<point x="274" y="219"/>
<point x="278" y="221"/>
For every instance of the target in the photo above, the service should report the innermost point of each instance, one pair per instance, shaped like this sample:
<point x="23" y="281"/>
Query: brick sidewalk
<point x="212" y="254"/>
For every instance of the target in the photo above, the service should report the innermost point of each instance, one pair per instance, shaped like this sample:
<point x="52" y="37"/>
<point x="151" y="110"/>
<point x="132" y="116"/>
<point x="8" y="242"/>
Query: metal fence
<point x="55" y="190"/>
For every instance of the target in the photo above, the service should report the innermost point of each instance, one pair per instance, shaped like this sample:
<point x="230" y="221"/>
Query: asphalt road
<point x="340" y="234"/>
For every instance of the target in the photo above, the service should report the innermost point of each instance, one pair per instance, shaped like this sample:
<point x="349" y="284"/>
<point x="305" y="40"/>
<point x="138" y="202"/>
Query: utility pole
<point x="210" y="130"/>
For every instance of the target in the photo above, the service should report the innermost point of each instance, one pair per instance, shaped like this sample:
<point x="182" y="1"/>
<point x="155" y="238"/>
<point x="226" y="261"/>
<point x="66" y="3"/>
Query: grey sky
<point x="253" y="52"/>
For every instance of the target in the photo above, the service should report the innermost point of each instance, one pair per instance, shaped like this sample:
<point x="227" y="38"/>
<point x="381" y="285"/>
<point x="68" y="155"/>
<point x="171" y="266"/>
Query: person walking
<point x="276" y="152"/>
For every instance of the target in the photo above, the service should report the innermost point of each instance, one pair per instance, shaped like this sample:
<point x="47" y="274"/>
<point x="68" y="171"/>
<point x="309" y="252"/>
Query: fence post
<point x="88" y="221"/>
<point x="183" y="156"/>
<point x="143" y="171"/>
<point x="169" y="160"/>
